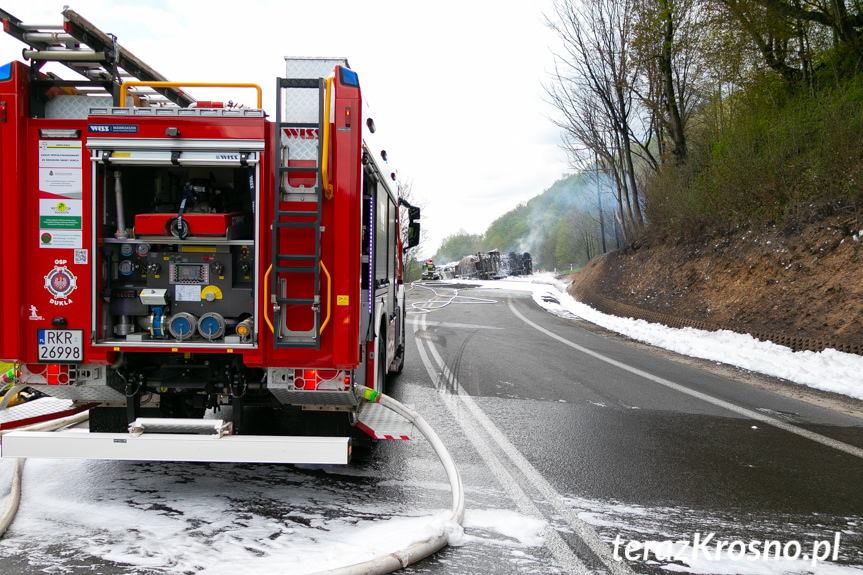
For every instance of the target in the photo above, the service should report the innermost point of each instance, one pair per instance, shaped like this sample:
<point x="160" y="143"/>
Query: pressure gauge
<point x="142" y="249"/>
<point x="126" y="249"/>
<point x="127" y="267"/>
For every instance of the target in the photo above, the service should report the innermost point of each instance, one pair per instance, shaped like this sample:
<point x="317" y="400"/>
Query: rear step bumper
<point x="79" y="444"/>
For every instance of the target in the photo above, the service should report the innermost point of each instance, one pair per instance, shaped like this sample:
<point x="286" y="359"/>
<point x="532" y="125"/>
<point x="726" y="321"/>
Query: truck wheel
<point x="381" y="363"/>
<point x="401" y="347"/>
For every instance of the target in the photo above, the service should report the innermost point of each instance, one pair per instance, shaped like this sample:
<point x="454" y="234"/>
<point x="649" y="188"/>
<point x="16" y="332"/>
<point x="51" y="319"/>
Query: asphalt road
<point x="571" y="445"/>
<point x="643" y="448"/>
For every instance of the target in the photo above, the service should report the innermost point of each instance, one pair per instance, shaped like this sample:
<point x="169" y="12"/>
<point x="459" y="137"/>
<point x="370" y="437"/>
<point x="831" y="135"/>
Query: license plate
<point x="61" y="345"/>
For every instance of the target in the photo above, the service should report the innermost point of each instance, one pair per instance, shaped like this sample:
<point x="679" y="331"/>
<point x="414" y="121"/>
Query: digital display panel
<point x="189" y="273"/>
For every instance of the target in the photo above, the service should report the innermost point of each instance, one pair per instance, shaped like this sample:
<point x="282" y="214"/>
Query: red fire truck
<point x="212" y="285"/>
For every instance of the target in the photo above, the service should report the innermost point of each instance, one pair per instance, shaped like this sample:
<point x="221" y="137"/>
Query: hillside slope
<point x="804" y="281"/>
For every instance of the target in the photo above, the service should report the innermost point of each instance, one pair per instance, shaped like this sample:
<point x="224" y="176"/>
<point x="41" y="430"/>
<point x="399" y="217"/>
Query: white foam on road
<point x="828" y="370"/>
<point x="669" y="535"/>
<point x="228" y="519"/>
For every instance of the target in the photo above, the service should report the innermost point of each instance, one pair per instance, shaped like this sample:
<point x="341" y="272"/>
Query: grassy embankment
<point x="771" y="155"/>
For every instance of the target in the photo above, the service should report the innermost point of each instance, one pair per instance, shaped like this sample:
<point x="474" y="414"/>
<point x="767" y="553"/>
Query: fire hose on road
<point x="15" y="492"/>
<point x="403" y="558"/>
<point x="376" y="566"/>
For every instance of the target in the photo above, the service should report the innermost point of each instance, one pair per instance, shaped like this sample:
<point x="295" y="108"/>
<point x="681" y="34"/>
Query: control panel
<point x="179" y="291"/>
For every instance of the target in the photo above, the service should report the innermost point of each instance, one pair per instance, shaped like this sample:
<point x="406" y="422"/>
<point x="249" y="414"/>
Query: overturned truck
<point x="491" y="265"/>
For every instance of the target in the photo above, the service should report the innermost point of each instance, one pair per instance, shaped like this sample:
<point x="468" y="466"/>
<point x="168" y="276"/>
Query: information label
<point x="61" y="194"/>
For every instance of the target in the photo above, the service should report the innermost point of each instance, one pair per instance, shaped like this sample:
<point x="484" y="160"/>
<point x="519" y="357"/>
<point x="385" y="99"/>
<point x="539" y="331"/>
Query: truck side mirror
<point x="413" y="235"/>
<point x="413" y="213"/>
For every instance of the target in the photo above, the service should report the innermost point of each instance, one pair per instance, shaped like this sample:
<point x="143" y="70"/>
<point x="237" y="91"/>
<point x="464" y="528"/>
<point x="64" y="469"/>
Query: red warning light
<point x="310" y="379"/>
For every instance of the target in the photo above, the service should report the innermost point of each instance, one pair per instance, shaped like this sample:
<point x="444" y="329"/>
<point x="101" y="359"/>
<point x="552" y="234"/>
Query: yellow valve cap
<point x="211" y="293"/>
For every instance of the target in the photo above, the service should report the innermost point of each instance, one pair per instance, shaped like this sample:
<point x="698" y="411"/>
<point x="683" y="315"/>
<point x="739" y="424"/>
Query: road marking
<point x="555" y="543"/>
<point x="553" y="540"/>
<point x="456" y="325"/>
<point x="748" y="413"/>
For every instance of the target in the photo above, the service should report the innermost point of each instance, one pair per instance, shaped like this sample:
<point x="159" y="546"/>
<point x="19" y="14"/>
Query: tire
<point x="381" y="367"/>
<point x="401" y="348"/>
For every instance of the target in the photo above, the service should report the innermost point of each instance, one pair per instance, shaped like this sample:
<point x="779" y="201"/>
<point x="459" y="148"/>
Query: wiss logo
<point x="99" y="128"/>
<point x="227" y="157"/>
<point x="301" y="133"/>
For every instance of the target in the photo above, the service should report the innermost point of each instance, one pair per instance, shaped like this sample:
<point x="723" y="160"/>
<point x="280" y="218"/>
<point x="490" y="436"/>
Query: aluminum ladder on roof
<point x="298" y="151"/>
<point x="86" y="50"/>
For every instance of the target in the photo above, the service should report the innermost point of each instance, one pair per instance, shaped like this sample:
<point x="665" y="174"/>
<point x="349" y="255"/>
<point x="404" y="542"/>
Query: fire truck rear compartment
<point x="177" y="255"/>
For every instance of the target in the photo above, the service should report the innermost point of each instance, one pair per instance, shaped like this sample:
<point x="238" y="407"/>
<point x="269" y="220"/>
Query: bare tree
<point x="668" y="44"/>
<point x="593" y="89"/>
<point x="412" y="266"/>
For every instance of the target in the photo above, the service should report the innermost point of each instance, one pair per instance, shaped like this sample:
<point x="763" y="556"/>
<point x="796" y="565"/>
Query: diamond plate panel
<point x="280" y="383"/>
<point x="315" y="67"/>
<point x="35" y="408"/>
<point x="308" y="397"/>
<point x="214" y="427"/>
<point x="299" y="148"/>
<point x="81" y="392"/>
<point x="86" y="383"/>
<point x="383" y="423"/>
<point x="77" y="107"/>
<point x="301" y="105"/>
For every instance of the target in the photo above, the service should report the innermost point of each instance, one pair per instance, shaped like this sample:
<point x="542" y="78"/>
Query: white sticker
<point x="60" y="238"/>
<point x="63" y="182"/>
<point x="80" y="256"/>
<point x="187" y="293"/>
<point x="60" y="154"/>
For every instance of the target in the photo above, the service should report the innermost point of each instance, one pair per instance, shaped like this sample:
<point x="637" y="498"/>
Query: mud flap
<point x="383" y="423"/>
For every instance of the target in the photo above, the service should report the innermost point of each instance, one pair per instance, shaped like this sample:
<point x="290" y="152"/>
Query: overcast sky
<point x="455" y="87"/>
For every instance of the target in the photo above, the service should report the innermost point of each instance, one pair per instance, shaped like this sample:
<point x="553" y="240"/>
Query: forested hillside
<point x="701" y="118"/>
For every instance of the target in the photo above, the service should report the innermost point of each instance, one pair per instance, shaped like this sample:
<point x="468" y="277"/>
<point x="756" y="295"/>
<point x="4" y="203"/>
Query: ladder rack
<point x="94" y="55"/>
